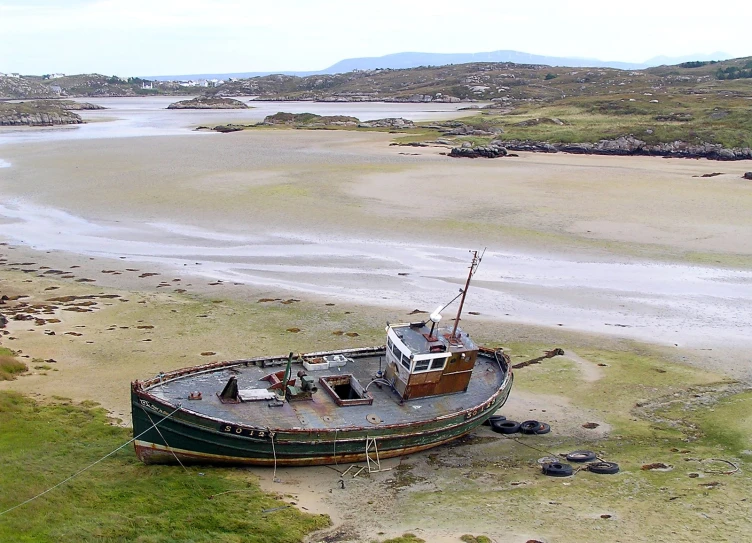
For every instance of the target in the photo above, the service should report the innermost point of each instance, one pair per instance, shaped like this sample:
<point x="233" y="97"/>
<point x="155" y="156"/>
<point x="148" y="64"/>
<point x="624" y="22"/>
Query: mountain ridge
<point x="416" y="59"/>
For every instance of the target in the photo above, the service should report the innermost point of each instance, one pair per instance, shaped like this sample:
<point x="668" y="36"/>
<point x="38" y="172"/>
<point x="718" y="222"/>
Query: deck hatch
<point x="345" y="390"/>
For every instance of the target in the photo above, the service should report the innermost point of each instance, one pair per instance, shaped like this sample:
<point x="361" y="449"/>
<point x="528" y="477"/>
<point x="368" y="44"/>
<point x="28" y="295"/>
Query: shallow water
<point x="132" y="117"/>
<point x="664" y="303"/>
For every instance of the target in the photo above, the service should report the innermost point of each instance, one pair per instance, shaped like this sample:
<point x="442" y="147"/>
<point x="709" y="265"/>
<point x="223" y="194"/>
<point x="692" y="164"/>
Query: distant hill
<point x="501" y="82"/>
<point x="223" y="76"/>
<point x="668" y="61"/>
<point x="414" y="60"/>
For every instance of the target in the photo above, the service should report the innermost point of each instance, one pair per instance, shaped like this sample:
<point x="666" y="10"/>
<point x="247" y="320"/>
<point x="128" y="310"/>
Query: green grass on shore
<point x="9" y="365"/>
<point x="654" y="119"/>
<point x="121" y="499"/>
<point x="694" y="423"/>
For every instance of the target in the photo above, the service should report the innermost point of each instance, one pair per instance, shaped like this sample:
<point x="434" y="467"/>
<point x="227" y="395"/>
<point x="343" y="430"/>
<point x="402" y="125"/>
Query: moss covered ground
<point x="121" y="499"/>
<point x="654" y="119"/>
<point x="697" y="425"/>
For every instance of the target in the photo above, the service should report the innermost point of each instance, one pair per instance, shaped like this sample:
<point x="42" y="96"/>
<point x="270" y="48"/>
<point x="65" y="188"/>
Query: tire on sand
<point x="529" y="426"/>
<point x="604" y="468"/>
<point x="494" y="418"/>
<point x="581" y="456"/>
<point x="506" y="427"/>
<point x="557" y="469"/>
<point x="543" y="428"/>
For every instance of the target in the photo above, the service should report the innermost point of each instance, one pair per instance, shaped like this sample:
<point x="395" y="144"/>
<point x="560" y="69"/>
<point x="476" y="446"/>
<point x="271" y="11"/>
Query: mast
<point x="473" y="267"/>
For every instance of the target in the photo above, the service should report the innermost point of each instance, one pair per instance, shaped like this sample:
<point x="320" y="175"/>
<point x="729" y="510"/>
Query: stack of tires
<point x="501" y="425"/>
<point x="559" y="469"/>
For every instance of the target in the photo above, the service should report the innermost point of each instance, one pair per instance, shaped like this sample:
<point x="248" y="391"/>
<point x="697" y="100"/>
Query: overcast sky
<point x="162" y="37"/>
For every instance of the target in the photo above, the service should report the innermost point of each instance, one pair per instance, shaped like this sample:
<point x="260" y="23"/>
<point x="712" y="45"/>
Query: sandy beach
<point x="199" y="247"/>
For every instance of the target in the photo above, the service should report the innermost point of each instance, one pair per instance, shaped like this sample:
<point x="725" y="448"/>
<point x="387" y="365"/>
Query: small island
<point x="312" y="120"/>
<point x="205" y="102"/>
<point x="43" y="112"/>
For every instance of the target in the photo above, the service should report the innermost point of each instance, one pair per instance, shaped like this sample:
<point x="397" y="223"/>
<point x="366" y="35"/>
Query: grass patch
<point x="10" y="366"/>
<point x="689" y="418"/>
<point x="405" y="538"/>
<point x="628" y="378"/>
<point x="467" y="538"/>
<point x="691" y="118"/>
<point x="121" y="499"/>
<point x="724" y="425"/>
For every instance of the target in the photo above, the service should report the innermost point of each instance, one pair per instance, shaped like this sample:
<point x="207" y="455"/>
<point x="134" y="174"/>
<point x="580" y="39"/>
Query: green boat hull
<point x="166" y="433"/>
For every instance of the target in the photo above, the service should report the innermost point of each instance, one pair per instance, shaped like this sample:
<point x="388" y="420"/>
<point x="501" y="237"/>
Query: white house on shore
<point x="202" y="83"/>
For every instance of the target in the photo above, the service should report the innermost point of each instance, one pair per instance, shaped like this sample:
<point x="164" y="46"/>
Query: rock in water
<point x="490" y="151"/>
<point x="204" y="102"/>
<point x="37" y="113"/>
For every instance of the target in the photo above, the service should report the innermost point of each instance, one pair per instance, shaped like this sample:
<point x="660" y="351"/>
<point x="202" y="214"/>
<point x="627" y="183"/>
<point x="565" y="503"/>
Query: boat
<point x="427" y="385"/>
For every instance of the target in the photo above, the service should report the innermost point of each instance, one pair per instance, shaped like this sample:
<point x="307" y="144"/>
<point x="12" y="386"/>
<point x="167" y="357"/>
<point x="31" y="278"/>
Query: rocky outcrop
<point x="458" y="128"/>
<point x="541" y="120"/>
<point x="409" y="144"/>
<point x="70" y="105"/>
<point x="23" y="88"/>
<point x="465" y="130"/>
<point x="38" y="113"/>
<point x="204" y="102"/>
<point x="391" y="122"/>
<point x="747" y="175"/>
<point x="417" y="98"/>
<point x="468" y="151"/>
<point x="629" y="145"/>
<point x="227" y="128"/>
<point x="309" y="120"/>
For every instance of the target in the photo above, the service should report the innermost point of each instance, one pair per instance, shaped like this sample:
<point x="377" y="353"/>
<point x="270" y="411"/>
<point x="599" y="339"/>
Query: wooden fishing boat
<point x="426" y="386"/>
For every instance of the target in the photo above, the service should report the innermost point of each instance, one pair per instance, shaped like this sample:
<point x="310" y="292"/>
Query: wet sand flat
<point x="331" y="181"/>
<point x="635" y="247"/>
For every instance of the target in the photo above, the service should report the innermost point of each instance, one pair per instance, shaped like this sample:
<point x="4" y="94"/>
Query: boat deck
<point x="321" y="411"/>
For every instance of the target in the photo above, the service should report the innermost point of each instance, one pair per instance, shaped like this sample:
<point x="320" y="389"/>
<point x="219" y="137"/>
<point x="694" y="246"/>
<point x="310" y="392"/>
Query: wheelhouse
<point x="420" y="364"/>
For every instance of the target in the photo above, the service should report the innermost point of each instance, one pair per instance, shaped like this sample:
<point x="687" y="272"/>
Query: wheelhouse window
<point x="438" y="363"/>
<point x="399" y="356"/>
<point x="405" y="361"/>
<point x="430" y="364"/>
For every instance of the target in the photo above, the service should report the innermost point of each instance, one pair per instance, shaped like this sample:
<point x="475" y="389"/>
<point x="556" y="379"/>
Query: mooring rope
<point x="90" y="465"/>
<point x="274" y="452"/>
<point x="165" y="441"/>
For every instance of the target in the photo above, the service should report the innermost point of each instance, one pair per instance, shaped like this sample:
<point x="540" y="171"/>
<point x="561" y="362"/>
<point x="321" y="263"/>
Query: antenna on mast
<point x="473" y="268"/>
<point x="436" y="316"/>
